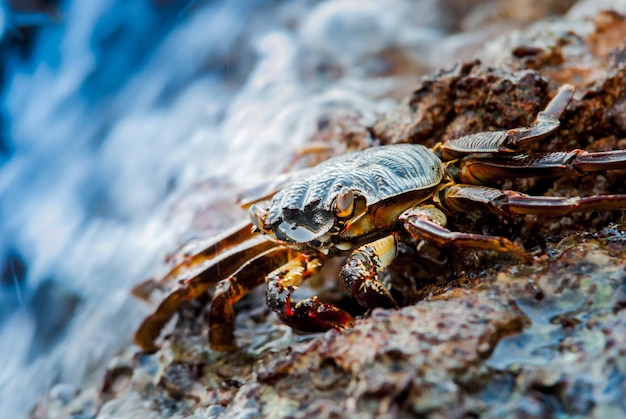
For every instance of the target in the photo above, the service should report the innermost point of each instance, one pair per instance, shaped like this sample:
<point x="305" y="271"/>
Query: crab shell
<point x="345" y="201"/>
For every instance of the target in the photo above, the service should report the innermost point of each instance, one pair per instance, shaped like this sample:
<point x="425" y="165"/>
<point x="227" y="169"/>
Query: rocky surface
<point x="476" y="337"/>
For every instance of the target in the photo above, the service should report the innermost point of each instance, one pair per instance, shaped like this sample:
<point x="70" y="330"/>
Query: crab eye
<point x="344" y="203"/>
<point x="257" y="216"/>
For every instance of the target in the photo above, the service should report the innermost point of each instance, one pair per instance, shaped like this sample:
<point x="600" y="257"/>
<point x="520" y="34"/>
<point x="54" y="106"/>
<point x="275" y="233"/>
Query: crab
<point x="357" y="205"/>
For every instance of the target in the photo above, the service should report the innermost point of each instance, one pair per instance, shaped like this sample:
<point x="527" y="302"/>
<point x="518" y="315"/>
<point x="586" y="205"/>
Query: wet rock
<point x="476" y="337"/>
<point x="467" y="98"/>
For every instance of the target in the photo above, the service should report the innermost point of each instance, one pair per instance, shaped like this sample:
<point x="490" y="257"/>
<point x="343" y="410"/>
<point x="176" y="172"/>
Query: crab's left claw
<point x="311" y="315"/>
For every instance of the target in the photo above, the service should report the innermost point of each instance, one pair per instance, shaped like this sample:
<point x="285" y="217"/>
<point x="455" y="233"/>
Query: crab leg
<point x="308" y="315"/>
<point x="468" y="198"/>
<point x="428" y="223"/>
<point x="361" y="269"/>
<point x="512" y="140"/>
<point x="193" y="264"/>
<point x="220" y="267"/>
<point x="571" y="163"/>
<point x="230" y="290"/>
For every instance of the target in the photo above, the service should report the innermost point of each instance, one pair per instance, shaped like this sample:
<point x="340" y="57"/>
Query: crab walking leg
<point x="546" y="122"/>
<point x="195" y="286"/>
<point x="427" y="223"/>
<point x="230" y="240"/>
<point x="230" y="290"/>
<point x="467" y="198"/>
<point x="308" y="315"/>
<point x="562" y="163"/>
<point x="361" y="269"/>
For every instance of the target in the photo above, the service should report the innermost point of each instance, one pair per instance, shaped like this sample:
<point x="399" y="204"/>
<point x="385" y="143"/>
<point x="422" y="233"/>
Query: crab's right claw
<point x="329" y="316"/>
<point x="310" y="315"/>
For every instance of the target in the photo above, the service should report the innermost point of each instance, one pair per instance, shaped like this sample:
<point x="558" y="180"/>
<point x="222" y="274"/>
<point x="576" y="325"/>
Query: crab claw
<point x="311" y="315"/>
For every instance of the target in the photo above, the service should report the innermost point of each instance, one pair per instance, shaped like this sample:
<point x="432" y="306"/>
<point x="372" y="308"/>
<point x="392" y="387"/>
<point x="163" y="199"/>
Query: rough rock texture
<point x="475" y="337"/>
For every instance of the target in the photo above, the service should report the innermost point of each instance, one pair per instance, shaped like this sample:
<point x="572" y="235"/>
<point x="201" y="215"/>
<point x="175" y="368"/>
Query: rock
<point x="476" y="337"/>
